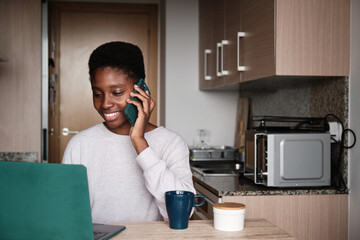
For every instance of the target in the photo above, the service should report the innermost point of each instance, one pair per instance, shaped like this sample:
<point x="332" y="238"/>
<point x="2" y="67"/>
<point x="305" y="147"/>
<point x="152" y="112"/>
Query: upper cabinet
<point x="244" y="40"/>
<point x="206" y="73"/>
<point x="211" y="14"/>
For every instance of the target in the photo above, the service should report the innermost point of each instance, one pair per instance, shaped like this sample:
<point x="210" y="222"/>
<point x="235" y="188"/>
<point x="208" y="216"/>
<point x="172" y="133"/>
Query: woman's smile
<point x="111" y="116"/>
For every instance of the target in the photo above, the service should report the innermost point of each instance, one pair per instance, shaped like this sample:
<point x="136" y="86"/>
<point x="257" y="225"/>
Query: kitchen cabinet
<point x="205" y="44"/>
<point x="207" y="55"/>
<point x="258" y="44"/>
<point x="306" y="213"/>
<point x="231" y="61"/>
<point x="266" y="39"/>
<point x="218" y="27"/>
<point x="306" y="217"/>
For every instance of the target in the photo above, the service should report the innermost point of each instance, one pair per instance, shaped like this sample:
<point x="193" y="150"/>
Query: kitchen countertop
<point x="19" y="156"/>
<point x="201" y="229"/>
<point x="240" y="186"/>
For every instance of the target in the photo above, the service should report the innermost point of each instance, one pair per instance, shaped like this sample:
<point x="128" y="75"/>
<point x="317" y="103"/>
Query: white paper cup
<point x="229" y="216"/>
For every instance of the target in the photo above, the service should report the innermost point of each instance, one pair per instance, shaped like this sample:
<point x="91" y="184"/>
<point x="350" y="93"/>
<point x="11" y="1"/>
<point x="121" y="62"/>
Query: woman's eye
<point x="118" y="93"/>
<point x="96" y="94"/>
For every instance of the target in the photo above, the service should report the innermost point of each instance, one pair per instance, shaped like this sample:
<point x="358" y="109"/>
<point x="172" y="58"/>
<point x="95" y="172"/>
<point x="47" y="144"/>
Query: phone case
<point x="130" y="110"/>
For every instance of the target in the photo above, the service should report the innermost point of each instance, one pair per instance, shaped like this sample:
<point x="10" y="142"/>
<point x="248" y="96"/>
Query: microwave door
<point x="299" y="160"/>
<point x="260" y="158"/>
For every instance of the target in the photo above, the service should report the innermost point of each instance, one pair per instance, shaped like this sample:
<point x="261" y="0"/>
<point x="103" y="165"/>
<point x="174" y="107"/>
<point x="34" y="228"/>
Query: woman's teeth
<point x="111" y="116"/>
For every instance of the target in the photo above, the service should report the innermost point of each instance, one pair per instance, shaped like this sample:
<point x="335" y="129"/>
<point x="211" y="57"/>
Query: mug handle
<point x="202" y="202"/>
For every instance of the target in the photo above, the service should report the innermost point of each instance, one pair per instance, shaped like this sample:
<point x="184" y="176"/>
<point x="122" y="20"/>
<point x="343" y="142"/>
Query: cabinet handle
<point x="239" y="35"/>
<point x="207" y="52"/>
<point x="223" y="43"/>
<point x="218" y="70"/>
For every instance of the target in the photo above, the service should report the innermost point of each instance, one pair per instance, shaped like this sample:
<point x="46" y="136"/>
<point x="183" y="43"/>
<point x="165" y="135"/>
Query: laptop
<point x="47" y="201"/>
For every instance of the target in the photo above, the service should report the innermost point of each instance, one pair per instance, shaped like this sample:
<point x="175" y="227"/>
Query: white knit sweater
<point x="123" y="185"/>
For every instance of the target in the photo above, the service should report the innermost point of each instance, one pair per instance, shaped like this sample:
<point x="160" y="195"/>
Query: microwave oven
<point x="293" y="159"/>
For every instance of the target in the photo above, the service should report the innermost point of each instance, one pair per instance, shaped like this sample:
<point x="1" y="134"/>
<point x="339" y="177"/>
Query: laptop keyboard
<point x="98" y="235"/>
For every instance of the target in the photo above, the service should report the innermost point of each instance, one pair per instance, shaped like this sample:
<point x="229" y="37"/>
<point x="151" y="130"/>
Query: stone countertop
<point x="241" y="186"/>
<point x="19" y="156"/>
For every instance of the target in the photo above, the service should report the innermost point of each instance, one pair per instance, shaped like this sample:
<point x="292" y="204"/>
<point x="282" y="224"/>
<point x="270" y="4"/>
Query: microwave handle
<point x="257" y="136"/>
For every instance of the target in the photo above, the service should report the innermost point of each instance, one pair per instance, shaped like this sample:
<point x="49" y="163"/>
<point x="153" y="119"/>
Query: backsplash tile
<point x="19" y="156"/>
<point x="329" y="96"/>
<point x="279" y="100"/>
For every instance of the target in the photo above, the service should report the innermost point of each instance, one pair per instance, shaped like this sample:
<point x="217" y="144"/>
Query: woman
<point x="129" y="167"/>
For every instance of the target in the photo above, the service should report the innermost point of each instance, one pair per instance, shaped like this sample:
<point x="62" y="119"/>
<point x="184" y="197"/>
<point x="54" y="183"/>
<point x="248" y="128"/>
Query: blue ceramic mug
<point x="179" y="205"/>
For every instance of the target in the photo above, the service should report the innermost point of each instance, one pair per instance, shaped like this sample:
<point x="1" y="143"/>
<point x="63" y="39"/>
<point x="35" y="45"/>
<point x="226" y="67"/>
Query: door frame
<point x="44" y="83"/>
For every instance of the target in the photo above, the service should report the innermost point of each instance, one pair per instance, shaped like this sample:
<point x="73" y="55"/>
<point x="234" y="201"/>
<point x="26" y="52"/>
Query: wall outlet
<point x="202" y="139"/>
<point x="335" y="131"/>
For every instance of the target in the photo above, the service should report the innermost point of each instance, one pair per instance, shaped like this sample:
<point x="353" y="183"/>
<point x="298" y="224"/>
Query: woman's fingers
<point x="144" y="108"/>
<point x="140" y="96"/>
<point x="141" y="92"/>
<point x="145" y="97"/>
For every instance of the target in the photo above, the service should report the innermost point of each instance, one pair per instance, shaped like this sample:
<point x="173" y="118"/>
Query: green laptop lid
<point x="44" y="201"/>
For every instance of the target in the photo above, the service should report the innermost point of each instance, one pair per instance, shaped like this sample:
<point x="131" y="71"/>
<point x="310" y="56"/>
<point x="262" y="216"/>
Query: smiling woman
<point x="129" y="167"/>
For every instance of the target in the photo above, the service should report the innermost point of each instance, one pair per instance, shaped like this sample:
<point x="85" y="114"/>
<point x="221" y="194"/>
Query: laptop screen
<point x="44" y="201"/>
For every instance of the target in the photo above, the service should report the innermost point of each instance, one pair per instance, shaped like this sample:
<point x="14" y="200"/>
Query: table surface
<point x="201" y="229"/>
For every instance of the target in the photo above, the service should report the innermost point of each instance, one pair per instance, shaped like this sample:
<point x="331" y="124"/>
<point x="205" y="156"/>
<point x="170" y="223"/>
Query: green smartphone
<point x="131" y="111"/>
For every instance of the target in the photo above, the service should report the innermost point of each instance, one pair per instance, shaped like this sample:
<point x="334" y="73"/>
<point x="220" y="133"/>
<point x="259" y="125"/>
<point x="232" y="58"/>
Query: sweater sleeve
<point x="171" y="172"/>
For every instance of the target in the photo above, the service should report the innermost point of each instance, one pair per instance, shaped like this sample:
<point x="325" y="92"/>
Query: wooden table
<point x="201" y="229"/>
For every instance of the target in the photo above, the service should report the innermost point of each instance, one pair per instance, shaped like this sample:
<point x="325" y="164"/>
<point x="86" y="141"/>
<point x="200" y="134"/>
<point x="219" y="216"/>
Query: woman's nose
<point x="107" y="102"/>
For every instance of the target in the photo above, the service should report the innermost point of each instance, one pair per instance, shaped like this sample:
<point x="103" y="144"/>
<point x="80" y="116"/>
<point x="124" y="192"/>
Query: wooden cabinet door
<point x="219" y="36"/>
<point x="207" y="52"/>
<point x="312" y="37"/>
<point x="258" y="53"/>
<point x="231" y="51"/>
<point x="306" y="217"/>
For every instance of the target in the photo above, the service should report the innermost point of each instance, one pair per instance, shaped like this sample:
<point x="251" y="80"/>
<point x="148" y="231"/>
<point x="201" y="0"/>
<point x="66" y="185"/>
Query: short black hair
<point x="123" y="56"/>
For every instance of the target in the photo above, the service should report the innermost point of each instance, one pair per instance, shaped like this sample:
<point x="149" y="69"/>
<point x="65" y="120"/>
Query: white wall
<point x="188" y="109"/>
<point x="354" y="122"/>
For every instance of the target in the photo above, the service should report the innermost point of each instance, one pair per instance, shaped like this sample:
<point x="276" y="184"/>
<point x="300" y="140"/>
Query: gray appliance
<point x="291" y="156"/>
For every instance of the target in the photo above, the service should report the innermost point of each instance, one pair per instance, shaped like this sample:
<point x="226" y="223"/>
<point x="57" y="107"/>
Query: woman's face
<point x="111" y="88"/>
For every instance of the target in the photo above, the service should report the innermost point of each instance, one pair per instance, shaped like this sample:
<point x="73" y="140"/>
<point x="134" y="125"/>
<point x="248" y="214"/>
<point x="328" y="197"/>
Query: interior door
<point x="78" y="29"/>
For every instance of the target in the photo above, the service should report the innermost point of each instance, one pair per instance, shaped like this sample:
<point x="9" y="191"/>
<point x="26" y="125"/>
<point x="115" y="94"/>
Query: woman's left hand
<point x="145" y="109"/>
